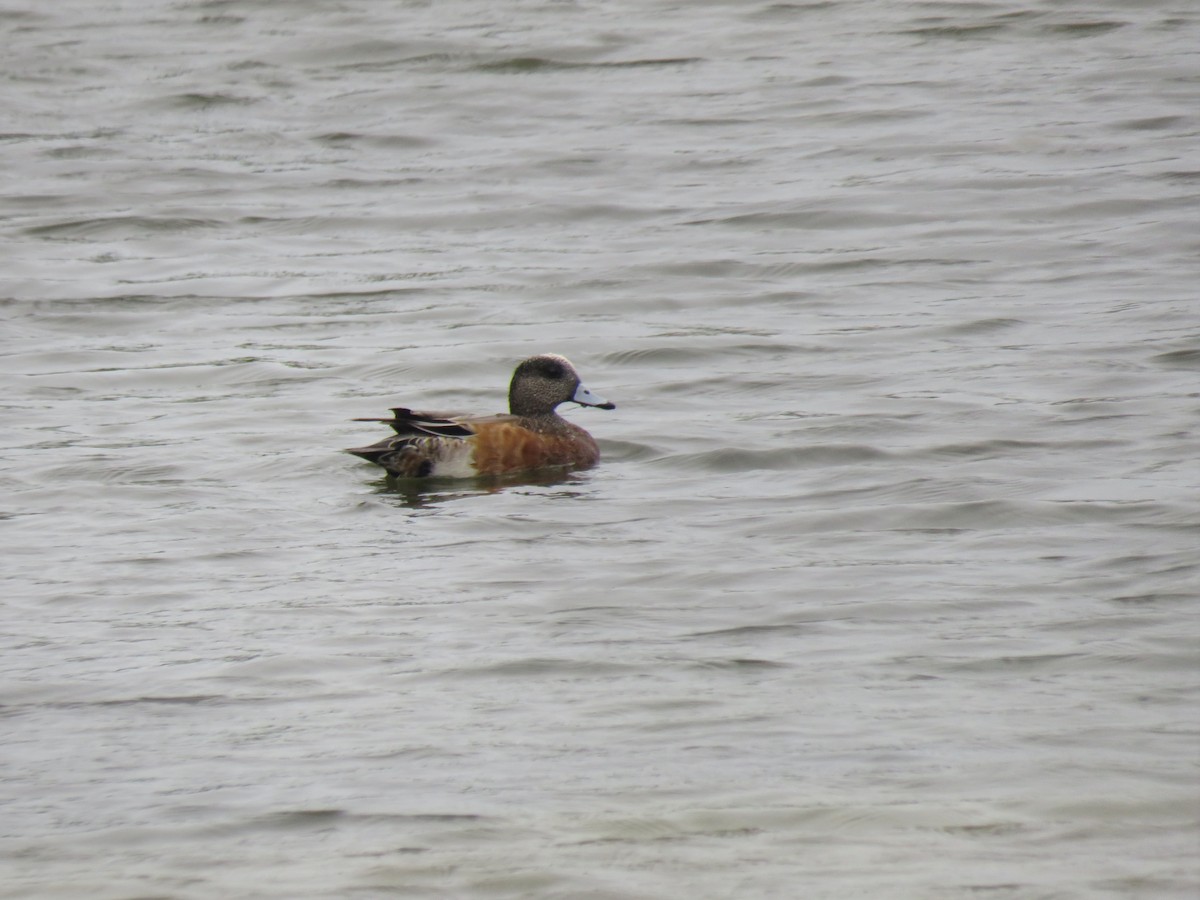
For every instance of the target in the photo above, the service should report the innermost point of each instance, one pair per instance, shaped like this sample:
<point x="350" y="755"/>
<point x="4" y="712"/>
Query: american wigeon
<point x="531" y="436"/>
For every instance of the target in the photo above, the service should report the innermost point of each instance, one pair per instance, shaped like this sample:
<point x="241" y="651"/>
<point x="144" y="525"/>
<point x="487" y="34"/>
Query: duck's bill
<point x="584" y="397"/>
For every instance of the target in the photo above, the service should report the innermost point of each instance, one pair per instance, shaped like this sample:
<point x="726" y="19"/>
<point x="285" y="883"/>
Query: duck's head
<point x="542" y="382"/>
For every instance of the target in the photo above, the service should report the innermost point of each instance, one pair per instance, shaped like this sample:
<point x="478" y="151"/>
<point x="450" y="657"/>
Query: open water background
<point x="887" y="584"/>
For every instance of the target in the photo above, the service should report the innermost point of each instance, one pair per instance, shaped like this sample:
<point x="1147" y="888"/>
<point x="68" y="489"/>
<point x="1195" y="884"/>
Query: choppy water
<point x="886" y="586"/>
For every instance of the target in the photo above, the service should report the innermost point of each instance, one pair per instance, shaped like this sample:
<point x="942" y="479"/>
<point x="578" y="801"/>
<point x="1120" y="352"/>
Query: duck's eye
<point x="553" y="370"/>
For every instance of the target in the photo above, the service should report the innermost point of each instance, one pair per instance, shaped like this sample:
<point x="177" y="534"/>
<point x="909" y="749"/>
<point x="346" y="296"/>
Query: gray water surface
<point x="885" y="587"/>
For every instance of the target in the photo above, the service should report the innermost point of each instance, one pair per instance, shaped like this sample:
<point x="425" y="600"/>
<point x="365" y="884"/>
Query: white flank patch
<point x="454" y="458"/>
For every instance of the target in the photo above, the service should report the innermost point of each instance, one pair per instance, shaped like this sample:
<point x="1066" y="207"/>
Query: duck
<point x="531" y="436"/>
